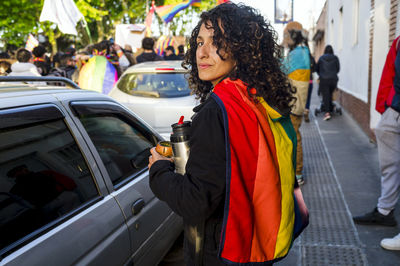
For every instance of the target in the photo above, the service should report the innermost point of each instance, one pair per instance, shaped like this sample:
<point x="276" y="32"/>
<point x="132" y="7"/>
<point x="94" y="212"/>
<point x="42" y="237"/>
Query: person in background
<point x="66" y="69"/>
<point x="40" y="61"/>
<point x="297" y="67"/>
<point x="388" y="139"/>
<point x="148" y="51"/>
<point x="242" y="145"/>
<point x="181" y="52"/>
<point x="24" y="66"/>
<point x="169" y="53"/>
<point x="310" y="89"/>
<point x="129" y="55"/>
<point x="328" y="67"/>
<point x="5" y="64"/>
<point x="56" y="59"/>
<point x="70" y="51"/>
<point x="116" y="55"/>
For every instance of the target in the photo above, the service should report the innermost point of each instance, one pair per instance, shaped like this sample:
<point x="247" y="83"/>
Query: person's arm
<point x="317" y="66"/>
<point x="337" y="65"/>
<point x="122" y="59"/>
<point x="387" y="78"/>
<point x="197" y="194"/>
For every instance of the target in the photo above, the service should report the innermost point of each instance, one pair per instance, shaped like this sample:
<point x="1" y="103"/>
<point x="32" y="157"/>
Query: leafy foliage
<point x="18" y="18"/>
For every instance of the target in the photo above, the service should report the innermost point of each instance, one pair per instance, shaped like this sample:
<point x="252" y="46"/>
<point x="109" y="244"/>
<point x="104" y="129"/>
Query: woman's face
<point x="210" y="66"/>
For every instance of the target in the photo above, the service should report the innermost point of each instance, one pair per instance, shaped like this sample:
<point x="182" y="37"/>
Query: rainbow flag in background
<point x="31" y="43"/>
<point x="169" y="11"/>
<point x="162" y="43"/>
<point x="98" y="74"/>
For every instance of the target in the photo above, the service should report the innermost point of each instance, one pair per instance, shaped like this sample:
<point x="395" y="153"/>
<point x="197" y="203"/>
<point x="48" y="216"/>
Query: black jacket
<point x="171" y="57"/>
<point x="199" y="195"/>
<point x="62" y="71"/>
<point x="43" y="67"/>
<point x="328" y="66"/>
<point x="144" y="57"/>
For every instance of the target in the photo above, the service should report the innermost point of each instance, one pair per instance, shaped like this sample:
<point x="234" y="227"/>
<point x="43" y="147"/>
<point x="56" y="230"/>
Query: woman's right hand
<point x="155" y="156"/>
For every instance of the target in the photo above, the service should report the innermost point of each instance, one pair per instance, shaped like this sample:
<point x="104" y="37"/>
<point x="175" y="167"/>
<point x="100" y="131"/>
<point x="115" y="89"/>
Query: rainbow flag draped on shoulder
<point x="169" y="11"/>
<point x="262" y="215"/>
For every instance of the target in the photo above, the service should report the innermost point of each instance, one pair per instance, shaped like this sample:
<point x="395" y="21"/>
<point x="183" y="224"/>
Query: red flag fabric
<point x="222" y="1"/>
<point x="149" y="20"/>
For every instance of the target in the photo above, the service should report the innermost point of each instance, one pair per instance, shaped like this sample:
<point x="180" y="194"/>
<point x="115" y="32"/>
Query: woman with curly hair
<point x="237" y="195"/>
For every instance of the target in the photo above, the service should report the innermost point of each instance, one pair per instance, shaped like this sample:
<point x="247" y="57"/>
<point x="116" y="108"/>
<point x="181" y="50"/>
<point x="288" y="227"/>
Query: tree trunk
<point x="100" y="30"/>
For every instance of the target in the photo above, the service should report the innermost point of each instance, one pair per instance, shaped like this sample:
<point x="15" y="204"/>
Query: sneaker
<point x="327" y="116"/>
<point x="376" y="218"/>
<point x="391" y="243"/>
<point x="300" y="180"/>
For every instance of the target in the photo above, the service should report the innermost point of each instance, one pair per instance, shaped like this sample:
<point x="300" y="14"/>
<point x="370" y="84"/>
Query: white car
<point x="157" y="92"/>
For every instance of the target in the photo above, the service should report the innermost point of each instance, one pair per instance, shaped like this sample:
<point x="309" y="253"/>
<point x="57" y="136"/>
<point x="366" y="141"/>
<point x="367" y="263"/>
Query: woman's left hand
<point x="155" y="156"/>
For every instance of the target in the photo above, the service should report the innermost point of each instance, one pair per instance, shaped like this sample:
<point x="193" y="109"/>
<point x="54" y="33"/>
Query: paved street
<point x="342" y="179"/>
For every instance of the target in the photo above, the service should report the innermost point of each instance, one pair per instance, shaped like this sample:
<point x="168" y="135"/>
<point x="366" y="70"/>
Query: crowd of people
<point x="68" y="63"/>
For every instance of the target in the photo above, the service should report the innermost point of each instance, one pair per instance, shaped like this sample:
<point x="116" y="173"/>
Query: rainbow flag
<point x="98" y="74"/>
<point x="162" y="43"/>
<point x="263" y="214"/>
<point x="31" y="43"/>
<point x="169" y="11"/>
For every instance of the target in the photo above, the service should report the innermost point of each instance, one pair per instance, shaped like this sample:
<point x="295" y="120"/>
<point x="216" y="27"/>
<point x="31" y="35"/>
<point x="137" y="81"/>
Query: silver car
<point x="157" y="92"/>
<point x="74" y="186"/>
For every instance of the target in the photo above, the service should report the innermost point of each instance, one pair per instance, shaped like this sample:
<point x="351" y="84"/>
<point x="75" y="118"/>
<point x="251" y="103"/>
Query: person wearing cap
<point x="297" y="67"/>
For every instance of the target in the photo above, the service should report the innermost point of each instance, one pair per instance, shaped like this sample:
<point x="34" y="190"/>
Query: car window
<point x="123" y="146"/>
<point x="159" y="85"/>
<point x="43" y="176"/>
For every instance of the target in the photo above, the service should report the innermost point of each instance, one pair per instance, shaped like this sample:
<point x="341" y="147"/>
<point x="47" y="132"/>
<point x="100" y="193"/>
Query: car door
<point x="123" y="144"/>
<point x="54" y="208"/>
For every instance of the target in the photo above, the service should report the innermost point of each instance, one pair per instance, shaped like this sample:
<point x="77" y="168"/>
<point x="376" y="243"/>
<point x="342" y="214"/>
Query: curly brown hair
<point x="251" y="41"/>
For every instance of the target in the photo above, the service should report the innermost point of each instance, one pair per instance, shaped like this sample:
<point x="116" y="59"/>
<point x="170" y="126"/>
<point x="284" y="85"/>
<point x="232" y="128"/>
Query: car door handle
<point x="137" y="206"/>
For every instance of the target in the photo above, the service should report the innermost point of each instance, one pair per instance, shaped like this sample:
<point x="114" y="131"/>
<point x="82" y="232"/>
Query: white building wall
<point x="353" y="56"/>
<point x="380" y="50"/>
<point x="398" y="22"/>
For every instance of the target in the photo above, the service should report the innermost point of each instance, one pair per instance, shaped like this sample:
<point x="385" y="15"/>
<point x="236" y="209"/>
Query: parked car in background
<point x="74" y="186"/>
<point x="157" y="92"/>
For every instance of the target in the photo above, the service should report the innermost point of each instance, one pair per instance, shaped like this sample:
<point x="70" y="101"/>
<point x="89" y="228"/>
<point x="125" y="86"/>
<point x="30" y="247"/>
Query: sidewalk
<point x="342" y="176"/>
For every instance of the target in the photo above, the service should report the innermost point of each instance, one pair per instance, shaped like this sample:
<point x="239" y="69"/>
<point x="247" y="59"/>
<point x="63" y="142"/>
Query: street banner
<point x="131" y="34"/>
<point x="64" y="13"/>
<point x="31" y="43"/>
<point x="283" y="11"/>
